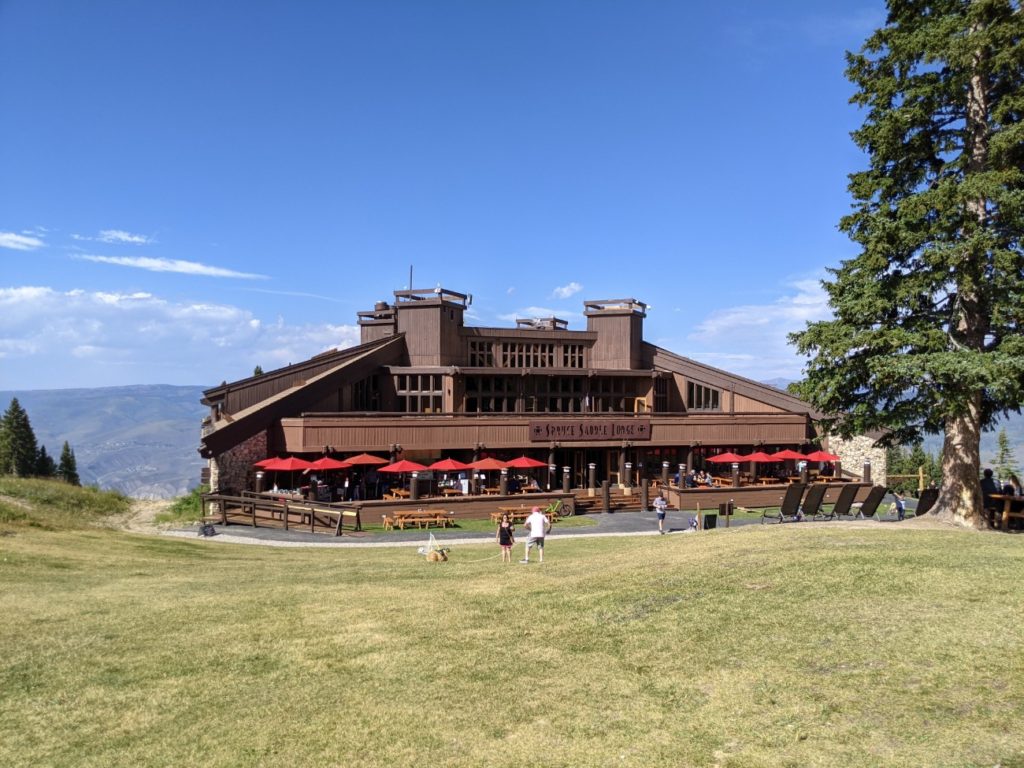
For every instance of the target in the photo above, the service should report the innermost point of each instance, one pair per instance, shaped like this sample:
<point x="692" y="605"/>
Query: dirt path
<point x="141" y="517"/>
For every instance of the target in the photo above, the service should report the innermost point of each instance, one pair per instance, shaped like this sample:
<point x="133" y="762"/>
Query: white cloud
<point x="565" y="291"/>
<point x="179" y="266"/>
<point x="751" y="339"/>
<point x="116" y="236"/>
<point x="120" y="236"/>
<point x="17" y="242"/>
<point x="54" y="339"/>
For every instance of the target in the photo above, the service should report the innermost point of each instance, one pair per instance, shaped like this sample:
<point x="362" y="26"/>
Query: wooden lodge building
<point x="423" y="385"/>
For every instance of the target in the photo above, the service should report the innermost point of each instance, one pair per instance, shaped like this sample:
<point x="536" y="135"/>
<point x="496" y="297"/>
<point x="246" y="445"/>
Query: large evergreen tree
<point x="67" y="469"/>
<point x="1006" y="458"/>
<point x="45" y="465"/>
<point x="18" y="449"/>
<point x="926" y="335"/>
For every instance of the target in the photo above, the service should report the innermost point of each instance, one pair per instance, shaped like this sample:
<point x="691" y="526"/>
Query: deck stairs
<point x="620" y="502"/>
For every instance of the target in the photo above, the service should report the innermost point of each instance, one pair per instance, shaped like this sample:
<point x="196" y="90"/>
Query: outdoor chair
<point x="927" y="500"/>
<point x="843" y="505"/>
<point x="789" y="510"/>
<point x="811" y="505"/>
<point x="869" y="506"/>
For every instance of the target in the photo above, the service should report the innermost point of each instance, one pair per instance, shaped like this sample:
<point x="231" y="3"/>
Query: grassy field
<point x="812" y="645"/>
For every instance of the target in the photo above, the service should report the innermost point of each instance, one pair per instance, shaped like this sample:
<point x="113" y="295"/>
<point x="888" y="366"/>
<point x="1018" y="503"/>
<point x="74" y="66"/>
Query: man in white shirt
<point x="538" y="525"/>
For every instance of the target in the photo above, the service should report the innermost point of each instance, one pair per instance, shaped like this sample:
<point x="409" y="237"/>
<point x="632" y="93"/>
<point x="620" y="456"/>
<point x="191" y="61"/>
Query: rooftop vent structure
<point x="541" y="324"/>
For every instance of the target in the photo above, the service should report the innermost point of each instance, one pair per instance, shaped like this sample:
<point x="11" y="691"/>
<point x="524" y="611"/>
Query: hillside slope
<point x="140" y="440"/>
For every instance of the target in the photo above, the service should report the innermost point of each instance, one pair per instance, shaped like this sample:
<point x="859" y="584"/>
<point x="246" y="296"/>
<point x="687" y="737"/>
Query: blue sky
<point x="190" y="189"/>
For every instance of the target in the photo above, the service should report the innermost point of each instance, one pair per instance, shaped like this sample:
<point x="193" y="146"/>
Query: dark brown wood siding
<point x="351" y="433"/>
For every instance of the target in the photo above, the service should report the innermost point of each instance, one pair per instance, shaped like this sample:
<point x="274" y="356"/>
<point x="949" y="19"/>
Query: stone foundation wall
<point x="233" y="470"/>
<point x="855" y="451"/>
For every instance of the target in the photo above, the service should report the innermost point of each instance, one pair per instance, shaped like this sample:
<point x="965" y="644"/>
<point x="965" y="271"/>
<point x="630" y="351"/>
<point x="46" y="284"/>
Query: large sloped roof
<point x="664" y="360"/>
<point x="290" y="395"/>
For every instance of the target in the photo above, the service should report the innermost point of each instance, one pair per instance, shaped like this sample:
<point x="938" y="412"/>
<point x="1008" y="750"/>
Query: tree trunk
<point x="960" y="495"/>
<point x="960" y="498"/>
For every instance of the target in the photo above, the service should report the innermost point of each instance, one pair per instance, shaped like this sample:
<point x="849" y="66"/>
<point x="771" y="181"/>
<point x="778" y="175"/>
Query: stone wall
<point x="233" y="470"/>
<point x="853" y="453"/>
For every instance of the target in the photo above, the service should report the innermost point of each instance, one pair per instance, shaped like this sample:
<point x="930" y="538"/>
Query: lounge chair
<point x="789" y="510"/>
<point x="843" y="504"/>
<point x="869" y="506"/>
<point x="811" y="505"/>
<point x="928" y="498"/>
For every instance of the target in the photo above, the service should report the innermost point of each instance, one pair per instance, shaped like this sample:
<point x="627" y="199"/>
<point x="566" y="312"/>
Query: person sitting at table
<point x="828" y="470"/>
<point x="533" y="484"/>
<point x="691" y="479"/>
<point x="513" y="486"/>
<point x="988" y="487"/>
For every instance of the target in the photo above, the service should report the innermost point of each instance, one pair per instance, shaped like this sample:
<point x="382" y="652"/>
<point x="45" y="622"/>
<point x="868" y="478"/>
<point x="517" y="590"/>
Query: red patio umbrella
<point x="725" y="458"/>
<point x="291" y="464"/>
<point x="759" y="456"/>
<point x="488" y="464"/>
<point x="822" y="456"/>
<point x="365" y="458"/>
<point x="327" y="463"/>
<point x="402" y="466"/>
<point x="449" y="465"/>
<point x="525" y="462"/>
<point x="263" y="464"/>
<point x="788" y="454"/>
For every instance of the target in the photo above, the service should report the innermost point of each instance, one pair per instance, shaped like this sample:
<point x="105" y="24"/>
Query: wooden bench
<point x="422" y="518"/>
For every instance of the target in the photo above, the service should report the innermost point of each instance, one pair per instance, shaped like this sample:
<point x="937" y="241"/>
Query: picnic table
<point x="1009" y="505"/>
<point x="451" y="492"/>
<point x="519" y="514"/>
<point x="423" y="518"/>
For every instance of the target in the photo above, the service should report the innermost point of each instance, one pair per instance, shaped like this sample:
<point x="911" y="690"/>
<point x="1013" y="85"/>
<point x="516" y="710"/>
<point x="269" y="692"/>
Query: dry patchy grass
<point x="770" y="646"/>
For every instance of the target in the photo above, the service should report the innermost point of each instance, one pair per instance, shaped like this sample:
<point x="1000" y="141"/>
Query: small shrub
<point x="185" y="509"/>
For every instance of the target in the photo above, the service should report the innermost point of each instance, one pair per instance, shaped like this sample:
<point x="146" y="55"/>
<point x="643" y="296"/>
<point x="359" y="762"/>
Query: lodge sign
<point x="569" y="430"/>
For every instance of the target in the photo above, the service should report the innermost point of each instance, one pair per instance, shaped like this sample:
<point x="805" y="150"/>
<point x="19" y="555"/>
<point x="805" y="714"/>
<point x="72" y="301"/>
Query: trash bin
<point x="710" y="521"/>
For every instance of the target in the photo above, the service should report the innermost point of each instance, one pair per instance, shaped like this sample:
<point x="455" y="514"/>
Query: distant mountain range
<point x="140" y="440"/>
<point x="143" y="440"/>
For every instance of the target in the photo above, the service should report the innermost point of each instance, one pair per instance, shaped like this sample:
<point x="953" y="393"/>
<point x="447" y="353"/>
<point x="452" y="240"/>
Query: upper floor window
<point x="701" y="398"/>
<point x="527" y="355"/>
<point x="420" y="392"/>
<point x="572" y="355"/>
<point x="481" y="354"/>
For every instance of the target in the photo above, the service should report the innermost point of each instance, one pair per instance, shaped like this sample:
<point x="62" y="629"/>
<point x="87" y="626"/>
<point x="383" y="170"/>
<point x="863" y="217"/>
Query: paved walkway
<point x="612" y="524"/>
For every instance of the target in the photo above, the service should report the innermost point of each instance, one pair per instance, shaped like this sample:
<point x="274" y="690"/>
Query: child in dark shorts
<point x="505" y="537"/>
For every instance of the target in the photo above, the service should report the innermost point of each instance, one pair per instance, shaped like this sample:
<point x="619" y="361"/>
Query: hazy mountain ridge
<point x="140" y="440"/>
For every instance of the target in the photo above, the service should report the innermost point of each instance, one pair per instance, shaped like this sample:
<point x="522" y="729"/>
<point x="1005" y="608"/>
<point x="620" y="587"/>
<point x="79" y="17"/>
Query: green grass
<point x="184" y="509"/>
<point x="823" y="645"/>
<point x="53" y="504"/>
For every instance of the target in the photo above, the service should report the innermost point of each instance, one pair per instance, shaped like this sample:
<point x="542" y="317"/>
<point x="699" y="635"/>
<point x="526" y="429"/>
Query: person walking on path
<point x="660" y="506"/>
<point x="538" y="525"/>
<point x="505" y="537"/>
